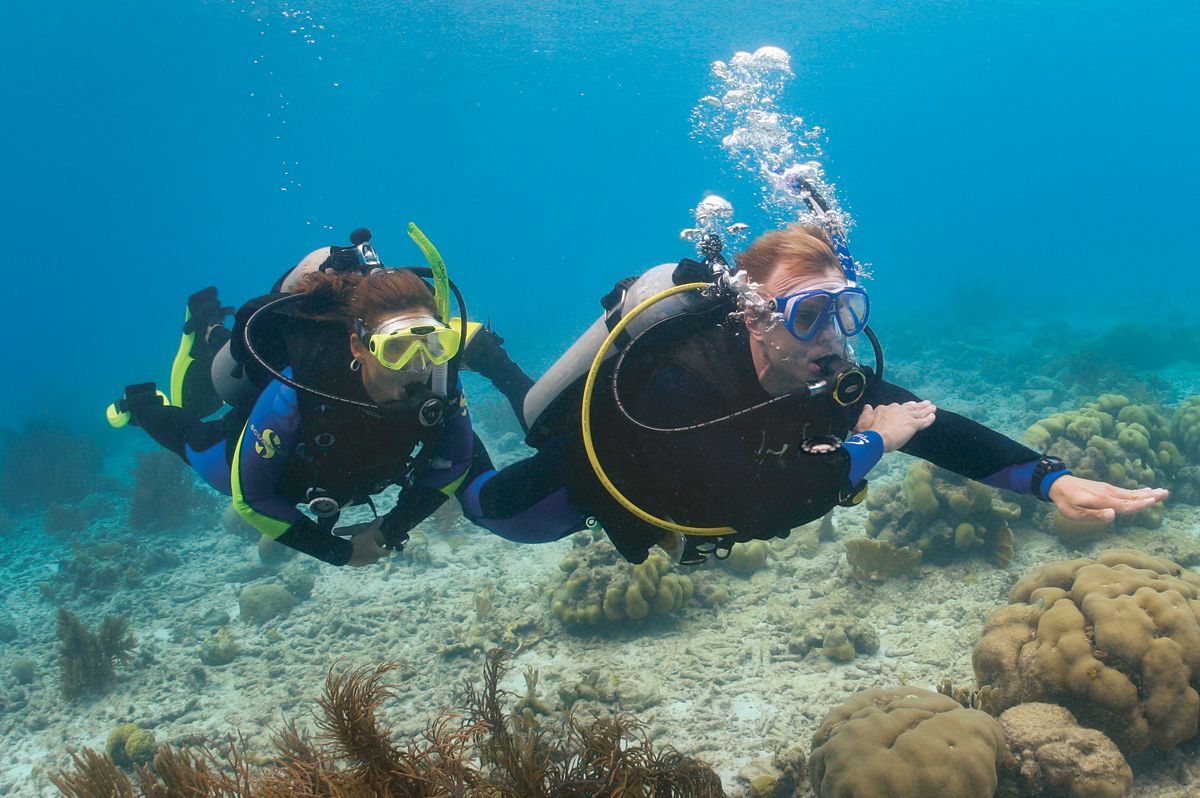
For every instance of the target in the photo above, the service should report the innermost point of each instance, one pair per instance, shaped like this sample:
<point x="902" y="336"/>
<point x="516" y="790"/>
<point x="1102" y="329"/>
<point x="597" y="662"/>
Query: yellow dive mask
<point x="396" y="349"/>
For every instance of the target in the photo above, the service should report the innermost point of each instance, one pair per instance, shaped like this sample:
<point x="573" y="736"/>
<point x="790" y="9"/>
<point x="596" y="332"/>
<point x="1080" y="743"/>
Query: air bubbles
<point x="742" y="114"/>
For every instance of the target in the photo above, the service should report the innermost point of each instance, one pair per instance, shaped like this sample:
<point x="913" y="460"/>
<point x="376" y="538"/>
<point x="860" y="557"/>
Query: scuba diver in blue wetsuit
<point x="332" y="382"/>
<point x="710" y="406"/>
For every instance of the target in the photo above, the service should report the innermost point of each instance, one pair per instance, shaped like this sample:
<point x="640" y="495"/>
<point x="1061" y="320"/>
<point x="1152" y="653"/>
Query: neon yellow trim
<point x="453" y="487"/>
<point x="115" y="419"/>
<point x="472" y="328"/>
<point x="586" y="420"/>
<point x="271" y="527"/>
<point x="183" y="361"/>
<point x="441" y="278"/>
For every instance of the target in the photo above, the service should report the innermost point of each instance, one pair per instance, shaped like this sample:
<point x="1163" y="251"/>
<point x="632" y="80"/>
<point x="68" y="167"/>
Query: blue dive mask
<point x="806" y="313"/>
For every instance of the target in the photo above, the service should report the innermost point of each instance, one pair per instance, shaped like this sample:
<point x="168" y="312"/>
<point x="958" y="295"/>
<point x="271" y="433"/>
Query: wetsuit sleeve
<point x="968" y="448"/>
<point x="268" y="440"/>
<point x="443" y="475"/>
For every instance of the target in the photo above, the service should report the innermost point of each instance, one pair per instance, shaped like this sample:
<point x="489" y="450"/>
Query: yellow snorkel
<point x="441" y="278"/>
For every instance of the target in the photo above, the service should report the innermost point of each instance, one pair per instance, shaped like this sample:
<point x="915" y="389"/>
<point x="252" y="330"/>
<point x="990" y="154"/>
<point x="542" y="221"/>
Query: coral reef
<point x="262" y="602"/>
<point x="1185" y="429"/>
<point x="940" y="514"/>
<point x="746" y="558"/>
<point x="219" y="648"/>
<point x="130" y="744"/>
<point x="1112" y="440"/>
<point x="830" y="627"/>
<point x="86" y="659"/>
<point x="903" y="742"/>
<point x="489" y="752"/>
<point x="876" y="560"/>
<point x="1115" y="640"/>
<point x="166" y="494"/>
<point x="604" y="691"/>
<point x="44" y="463"/>
<point x="24" y="670"/>
<point x="101" y="569"/>
<point x="1053" y="755"/>
<point x="600" y="589"/>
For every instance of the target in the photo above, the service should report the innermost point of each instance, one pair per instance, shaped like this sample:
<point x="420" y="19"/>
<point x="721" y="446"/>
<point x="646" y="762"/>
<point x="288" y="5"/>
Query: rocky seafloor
<point x="725" y="683"/>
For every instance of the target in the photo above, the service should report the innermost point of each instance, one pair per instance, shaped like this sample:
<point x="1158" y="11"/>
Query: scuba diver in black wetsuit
<point x="734" y="409"/>
<point x="332" y="383"/>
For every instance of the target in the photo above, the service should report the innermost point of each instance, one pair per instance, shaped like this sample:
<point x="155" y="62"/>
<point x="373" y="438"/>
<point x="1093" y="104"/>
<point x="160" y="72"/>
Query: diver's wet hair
<point x="801" y="248"/>
<point x="350" y="295"/>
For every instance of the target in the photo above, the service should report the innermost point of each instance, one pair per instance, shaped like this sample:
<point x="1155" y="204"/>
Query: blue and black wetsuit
<point x="291" y="449"/>
<point x="748" y="473"/>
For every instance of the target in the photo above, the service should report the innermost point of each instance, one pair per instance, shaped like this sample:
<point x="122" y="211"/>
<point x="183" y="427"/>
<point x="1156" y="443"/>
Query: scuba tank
<point x="570" y="369"/>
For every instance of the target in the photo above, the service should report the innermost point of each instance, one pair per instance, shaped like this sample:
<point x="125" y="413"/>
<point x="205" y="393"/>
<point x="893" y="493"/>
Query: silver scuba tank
<point x="576" y="361"/>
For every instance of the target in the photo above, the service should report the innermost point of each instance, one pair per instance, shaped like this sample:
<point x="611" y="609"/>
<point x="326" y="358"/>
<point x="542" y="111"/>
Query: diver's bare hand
<point x="896" y="423"/>
<point x="368" y="544"/>
<point x="1087" y="500"/>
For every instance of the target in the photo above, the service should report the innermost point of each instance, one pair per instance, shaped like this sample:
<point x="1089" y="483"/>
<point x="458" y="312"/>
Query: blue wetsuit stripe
<point x="865" y="450"/>
<point x="211" y="465"/>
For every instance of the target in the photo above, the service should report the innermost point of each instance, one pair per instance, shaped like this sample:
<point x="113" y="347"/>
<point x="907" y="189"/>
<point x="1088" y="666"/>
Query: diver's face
<point x="382" y="383"/>
<point x="783" y="362"/>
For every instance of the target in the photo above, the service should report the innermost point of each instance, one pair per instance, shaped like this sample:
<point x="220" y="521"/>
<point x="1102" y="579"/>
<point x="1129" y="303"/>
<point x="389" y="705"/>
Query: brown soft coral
<point x="1052" y="754"/>
<point x="904" y="742"/>
<point x="1115" y="639"/>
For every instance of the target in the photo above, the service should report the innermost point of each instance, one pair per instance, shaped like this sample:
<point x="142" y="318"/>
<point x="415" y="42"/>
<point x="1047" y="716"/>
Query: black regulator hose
<point x="385" y="409"/>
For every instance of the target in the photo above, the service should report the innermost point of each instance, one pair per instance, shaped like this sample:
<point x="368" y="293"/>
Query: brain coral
<point x="901" y="742"/>
<point x="1113" y="639"/>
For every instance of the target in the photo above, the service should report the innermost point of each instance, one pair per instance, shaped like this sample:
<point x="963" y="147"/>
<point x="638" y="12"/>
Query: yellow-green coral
<point x="1185" y="429"/>
<point x="935" y="512"/>
<point x="130" y="744"/>
<point x="1113" y="440"/>
<point x="746" y="558"/>
<point x="599" y="589"/>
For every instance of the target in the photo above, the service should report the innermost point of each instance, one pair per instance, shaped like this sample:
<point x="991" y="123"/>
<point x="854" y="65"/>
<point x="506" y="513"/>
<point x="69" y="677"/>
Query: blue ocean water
<point x="1041" y="155"/>
<point x="1019" y="173"/>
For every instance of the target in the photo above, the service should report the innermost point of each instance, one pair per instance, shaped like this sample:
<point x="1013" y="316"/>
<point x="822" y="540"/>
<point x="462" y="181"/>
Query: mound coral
<point x="489" y="752"/>
<point x="905" y="742"/>
<point x="1115" y="640"/>
<point x="260" y="603"/>
<point x="1053" y="755"/>
<point x="1113" y="440"/>
<point x="1185" y="429"/>
<point x="130" y="744"/>
<point x="746" y="558"/>
<point x="938" y="514"/>
<point x="599" y="589"/>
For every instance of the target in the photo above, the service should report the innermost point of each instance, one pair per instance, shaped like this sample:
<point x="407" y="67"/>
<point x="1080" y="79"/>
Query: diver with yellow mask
<point x="339" y="385"/>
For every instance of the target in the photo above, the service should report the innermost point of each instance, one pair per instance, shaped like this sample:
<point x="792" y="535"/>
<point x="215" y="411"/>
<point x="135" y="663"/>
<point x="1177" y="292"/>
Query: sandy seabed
<point x="715" y="683"/>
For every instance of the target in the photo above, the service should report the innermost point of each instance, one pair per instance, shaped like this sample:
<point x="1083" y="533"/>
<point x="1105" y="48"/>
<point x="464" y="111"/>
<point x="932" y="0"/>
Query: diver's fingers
<point x="1076" y="513"/>
<point x="1127" y="506"/>
<point x="1158" y="494"/>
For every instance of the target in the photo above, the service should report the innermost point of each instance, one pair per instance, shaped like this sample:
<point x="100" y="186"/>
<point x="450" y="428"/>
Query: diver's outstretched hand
<point x="368" y="543"/>
<point x="1087" y="500"/>
<point x="896" y="423"/>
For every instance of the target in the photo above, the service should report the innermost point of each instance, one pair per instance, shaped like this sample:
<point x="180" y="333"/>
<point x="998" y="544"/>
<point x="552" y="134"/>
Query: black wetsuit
<point x="748" y="473"/>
